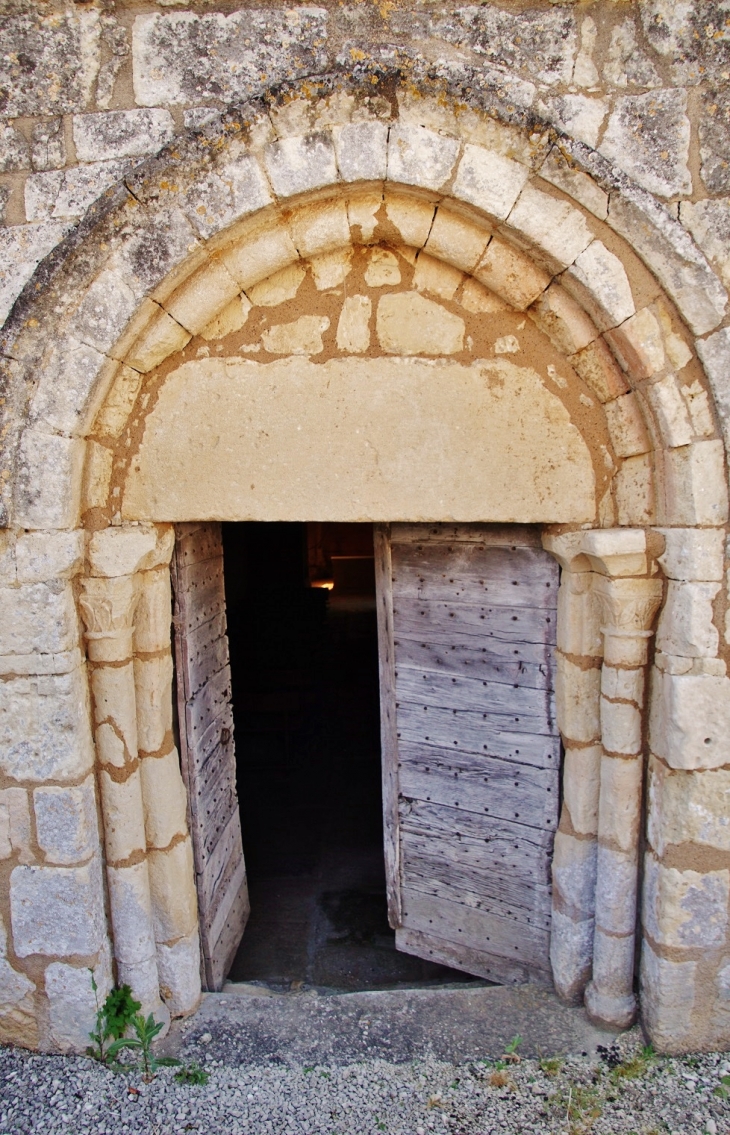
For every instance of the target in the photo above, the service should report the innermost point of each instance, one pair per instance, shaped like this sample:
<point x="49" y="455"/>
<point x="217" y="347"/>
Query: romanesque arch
<point x="497" y="283"/>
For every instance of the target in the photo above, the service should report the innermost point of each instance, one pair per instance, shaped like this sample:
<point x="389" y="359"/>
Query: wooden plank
<point x="207" y="704"/>
<point x="229" y="937"/>
<point x="495" y="735"/>
<point x="215" y="866"/>
<point x="475" y="662"/>
<point x="474" y="694"/>
<point x="488" y="933"/>
<point x="197" y="542"/>
<point x="496" y="576"/>
<point x="459" y="956"/>
<point x="489" y="788"/>
<point x="203" y="594"/>
<point x="492" y="535"/>
<point x="217" y="801"/>
<point x="449" y="624"/>
<point x="509" y="843"/>
<point x="206" y="655"/>
<point x="388" y="726"/>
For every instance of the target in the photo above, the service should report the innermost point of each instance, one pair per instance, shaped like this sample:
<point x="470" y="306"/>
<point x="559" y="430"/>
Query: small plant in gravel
<point x="723" y="1088"/>
<point x="635" y="1066"/>
<point x="581" y="1105"/>
<point x="146" y="1029"/>
<point x="550" y="1066"/>
<point x="192" y="1074"/>
<point x="113" y="1018"/>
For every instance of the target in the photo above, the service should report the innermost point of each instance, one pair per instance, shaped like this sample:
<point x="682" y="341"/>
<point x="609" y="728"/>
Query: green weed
<point x="113" y="1018"/>
<point x="192" y="1074"/>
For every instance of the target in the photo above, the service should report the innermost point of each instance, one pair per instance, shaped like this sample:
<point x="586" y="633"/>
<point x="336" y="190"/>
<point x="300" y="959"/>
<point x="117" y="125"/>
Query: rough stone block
<point x="162" y="337"/>
<point x="578" y="616"/>
<point x="688" y="807"/>
<point x="685" y="625"/>
<point x="685" y="909"/>
<point x="715" y="354"/>
<point x="648" y="137"/>
<point x="181" y="58"/>
<point x="57" y="911"/>
<point x="616" y="888"/>
<point x="597" y="367"/>
<point x="260" y="257"/>
<point x="571" y="956"/>
<point x="69" y="193"/>
<point x="113" y="690"/>
<point x="43" y="556"/>
<point x="598" y="281"/>
<point x="44" y="729"/>
<point x="320" y="228"/>
<point x="353" y="327"/>
<point x="120" y="551"/>
<point x="233" y="188"/>
<point x="714" y="130"/>
<point x="14" y="153"/>
<point x="63" y="50"/>
<point x="696" y="488"/>
<point x="639" y="344"/>
<point x="626" y="426"/>
<point x="581" y="783"/>
<point x="578" y="115"/>
<point x="574" y="875"/>
<point x="202" y="296"/>
<point x="66" y="822"/>
<point x="690" y="719"/>
<point x="279" y="288"/>
<point x="68" y="388"/>
<point x="129" y="894"/>
<point x="667" y="999"/>
<point x="362" y="150"/>
<point x="418" y="156"/>
<point x="410" y="324"/>
<point x="18" y="1018"/>
<point x="411" y="217"/>
<point x="693" y="553"/>
<point x="16" y="824"/>
<point x="165" y="799"/>
<point x="172" y="887"/>
<point x="38" y="617"/>
<point x="178" y="967"/>
<point x="618" y="684"/>
<point x="22" y="247"/>
<point x="563" y="321"/>
<point x="489" y="180"/>
<point x="153" y="685"/>
<point x="439" y="279"/>
<point x="72" y="1005"/>
<point x="383" y="269"/>
<point x="511" y="274"/>
<point x="123" y="816"/>
<point x="709" y="224"/>
<point x="549" y="227"/>
<point x="619" y="820"/>
<point x="113" y="415"/>
<point x="302" y="336"/>
<point x="298" y="164"/>
<point x="331" y="269"/>
<point x="671" y="412"/>
<point x="455" y="241"/>
<point x="620" y="728"/>
<point x="634" y="490"/>
<point x="577" y="693"/>
<point x="48" y="145"/>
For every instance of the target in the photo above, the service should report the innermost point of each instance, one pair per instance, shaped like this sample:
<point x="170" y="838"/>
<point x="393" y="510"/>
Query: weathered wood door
<point x="206" y="744"/>
<point x="471" y="752"/>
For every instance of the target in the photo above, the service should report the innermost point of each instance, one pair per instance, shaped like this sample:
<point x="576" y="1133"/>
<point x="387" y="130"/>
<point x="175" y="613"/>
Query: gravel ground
<point x="617" y="1093"/>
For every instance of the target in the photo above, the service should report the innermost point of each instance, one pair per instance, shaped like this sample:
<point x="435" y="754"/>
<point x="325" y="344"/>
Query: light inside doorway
<point x="304" y="661"/>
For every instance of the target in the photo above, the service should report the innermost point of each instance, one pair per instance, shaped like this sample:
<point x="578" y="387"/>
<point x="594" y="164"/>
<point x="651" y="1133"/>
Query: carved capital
<point x="628" y="608"/>
<point x="107" y="609"/>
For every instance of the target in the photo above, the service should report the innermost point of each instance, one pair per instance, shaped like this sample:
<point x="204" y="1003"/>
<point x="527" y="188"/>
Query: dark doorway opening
<point x="304" y="661"/>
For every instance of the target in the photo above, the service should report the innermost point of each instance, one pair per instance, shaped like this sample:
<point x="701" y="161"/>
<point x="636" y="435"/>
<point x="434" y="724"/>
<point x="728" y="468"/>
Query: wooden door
<point x="207" y="751"/>
<point x="471" y="752"/>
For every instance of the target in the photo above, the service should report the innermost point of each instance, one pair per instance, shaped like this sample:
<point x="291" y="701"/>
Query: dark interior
<point x="304" y="662"/>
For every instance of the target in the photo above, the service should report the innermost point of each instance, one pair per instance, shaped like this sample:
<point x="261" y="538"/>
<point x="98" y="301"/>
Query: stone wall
<point x="202" y="185"/>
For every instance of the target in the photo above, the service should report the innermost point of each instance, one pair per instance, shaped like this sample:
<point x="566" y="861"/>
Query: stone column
<point x="578" y="694"/>
<point x="169" y="849"/>
<point x="629" y="599"/>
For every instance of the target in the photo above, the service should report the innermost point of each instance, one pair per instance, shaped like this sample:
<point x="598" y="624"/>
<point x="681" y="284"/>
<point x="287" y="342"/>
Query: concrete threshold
<point x="251" y="1024"/>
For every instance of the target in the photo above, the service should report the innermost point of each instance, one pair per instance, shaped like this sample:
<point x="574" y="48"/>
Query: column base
<point x="617" y="1012"/>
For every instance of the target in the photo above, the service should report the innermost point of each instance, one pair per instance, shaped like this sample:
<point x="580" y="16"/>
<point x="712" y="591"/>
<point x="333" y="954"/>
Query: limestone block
<point x="667" y="999"/>
<point x="596" y="366"/>
<point x="57" y="911"/>
<point x="439" y="279"/>
<point x="456" y="240"/>
<point x="582" y="188"/>
<point x="418" y="156"/>
<point x="120" y="551"/>
<point x="362" y="213"/>
<point x="72" y="1004"/>
<point x="411" y="217"/>
<point x="512" y="275"/>
<point x="15" y="812"/>
<point x="44" y="556"/>
<point x="361" y="149"/>
<point x="320" y="228"/>
<point x="478" y="299"/>
<point x="114" y="702"/>
<point x="69" y="385"/>
<point x="44" y="728"/>
<point x="255" y="259"/>
<point x="153" y="685"/>
<point x="574" y="875"/>
<point x="123" y="815"/>
<point x="97" y="476"/>
<point x="154" y="613"/>
<point x="626" y="426"/>
<point x="144" y="981"/>
<point x="670" y="410"/>
<point x="302" y="336"/>
<point x="232" y="318"/>
<point x="609" y="997"/>
<point x="63" y="194"/>
<point x="579" y="116"/>
<point x="688" y="807"/>
<point x="489" y="180"/>
<point x="110" y="747"/>
<point x="353" y="327"/>
<point x="714" y="130"/>
<point x="14" y="153"/>
<point x="48" y="484"/>
<point x="18" y="1016"/>
<point x="634" y="490"/>
<point x="201" y="297"/>
<point x="162" y="337"/>
<point x="164" y="799"/>
<point x="618" y="684"/>
<point x="297" y="164"/>
<point x="66" y="822"/>
<point x="105" y="311"/>
<point x="577" y="692"/>
<point x="696" y="489"/>
<point x="690" y="719"/>
<point x="693" y="553"/>
<point x="685" y="625"/>
<point x="571" y="956"/>
<point x="279" y="288"/>
<point x="578" y="616"/>
<point x="383" y="269"/>
<point x="639" y="344"/>
<point x="626" y="64"/>
<point x="616" y="889"/>
<point x="709" y="224"/>
<point x="563" y="321"/>
<point x="121" y="134"/>
<point x="698" y="404"/>
<point x="233" y="188"/>
<point x="331" y="268"/>
<point x="64" y="52"/>
<point x="616" y="551"/>
<point x="549" y="227"/>
<point x="619" y="817"/>
<point x="129" y="895"/>
<point x="178" y="966"/>
<point x="38" y="617"/>
<point x="22" y="247"/>
<point x="48" y="149"/>
<point x="581" y="781"/>
<point x="409" y="324"/>
<point x="240" y="48"/>
<point x="620" y="727"/>
<point x="6" y="847"/>
<point x="715" y="354"/>
<point x="598" y="281"/>
<point x="172" y="887"/>
<point x="685" y="908"/>
<point x="648" y="137"/>
<point x="118" y="404"/>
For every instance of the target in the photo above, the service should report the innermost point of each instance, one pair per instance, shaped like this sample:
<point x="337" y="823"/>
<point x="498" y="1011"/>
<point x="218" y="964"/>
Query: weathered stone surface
<point x="552" y="229"/>
<point x="60" y="194"/>
<point x="648" y="137"/>
<point x="511" y="274"/>
<point x="259" y="258"/>
<point x="456" y="241"/>
<point x="164" y="798"/>
<point x="692" y="553"/>
<point x="331" y="269"/>
<point x="16" y="820"/>
<point x="709" y="224"/>
<point x="690" y="719"/>
<point x="302" y="336"/>
<point x="121" y="134"/>
<point x="179" y="973"/>
<point x="48" y="144"/>
<point x="180" y="57"/>
<point x="440" y="280"/>
<point x="639" y="344"/>
<point x="715" y="354"/>
<point x="685" y="625"/>
<point x="18" y="1021"/>
<point x="489" y="180"/>
<point x="353" y="327"/>
<point x="597" y="367"/>
<point x="199" y="299"/>
<point x="715" y="141"/>
<point x="48" y="62"/>
<point x="579" y="116"/>
<point x="571" y="955"/>
<point x="667" y="999"/>
<point x="671" y="412"/>
<point x="685" y="908"/>
<point x="131" y="913"/>
<point x="598" y="280"/>
<point x="22" y="247"/>
<point x="38" y="618"/>
<point x="153" y="684"/>
<point x="418" y="156"/>
<point x="72" y="1004"/>
<point x="279" y="288"/>
<point x="620" y="729"/>
<point x="123" y="818"/>
<point x="410" y="324"/>
<point x="44" y="727"/>
<point x="688" y="807"/>
<point x="627" y="65"/>
<point x="14" y="150"/>
<point x="66" y="822"/>
<point x="690" y="34"/>
<point x="362" y="150"/>
<point x="120" y="551"/>
<point x="172" y="887"/>
<point x="57" y="911"/>
<point x="626" y="426"/>
<point x="577" y="693"/>
<point x="696" y="488"/>
<point x="42" y="556"/>
<point x="383" y="269"/>
<point x="296" y="164"/>
<point x="581" y="781"/>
